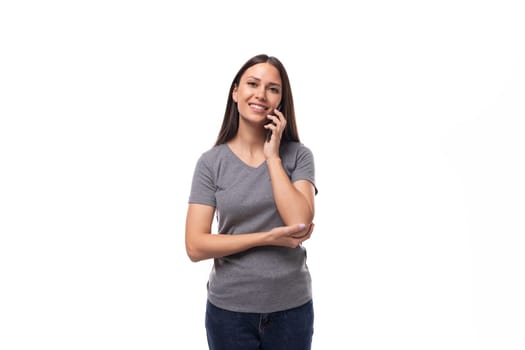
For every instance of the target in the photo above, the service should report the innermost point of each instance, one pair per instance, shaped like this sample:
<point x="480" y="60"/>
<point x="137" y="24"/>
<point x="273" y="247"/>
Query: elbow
<point x="194" y="256"/>
<point x="193" y="253"/>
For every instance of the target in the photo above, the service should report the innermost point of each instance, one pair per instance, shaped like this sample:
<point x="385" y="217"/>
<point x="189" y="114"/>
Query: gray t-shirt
<point x="262" y="279"/>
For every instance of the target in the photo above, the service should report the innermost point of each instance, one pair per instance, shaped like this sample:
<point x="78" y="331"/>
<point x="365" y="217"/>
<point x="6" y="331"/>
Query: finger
<point x="306" y="233"/>
<point x="302" y="239"/>
<point x="311" y="228"/>
<point x="299" y="235"/>
<point x="277" y="124"/>
<point x="272" y="129"/>
<point x="295" y="229"/>
<point x="281" y="123"/>
<point x="279" y="113"/>
<point x="303" y="236"/>
<point x="275" y="119"/>
<point x="302" y="233"/>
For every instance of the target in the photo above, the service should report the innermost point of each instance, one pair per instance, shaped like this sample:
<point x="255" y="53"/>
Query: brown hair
<point x="230" y="123"/>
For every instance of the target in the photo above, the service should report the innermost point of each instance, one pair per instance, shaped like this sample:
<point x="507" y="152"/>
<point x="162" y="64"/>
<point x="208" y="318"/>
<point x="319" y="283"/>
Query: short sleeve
<point x="203" y="186"/>
<point x="305" y="166"/>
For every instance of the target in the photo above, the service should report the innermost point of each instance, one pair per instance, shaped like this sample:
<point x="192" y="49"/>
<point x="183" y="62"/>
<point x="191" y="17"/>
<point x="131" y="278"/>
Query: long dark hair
<point x="230" y="123"/>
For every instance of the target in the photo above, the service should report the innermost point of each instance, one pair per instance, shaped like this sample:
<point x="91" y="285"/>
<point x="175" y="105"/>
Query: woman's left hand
<point x="277" y="125"/>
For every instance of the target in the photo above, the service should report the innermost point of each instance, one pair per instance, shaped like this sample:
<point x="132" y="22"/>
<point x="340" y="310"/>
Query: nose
<point x="261" y="93"/>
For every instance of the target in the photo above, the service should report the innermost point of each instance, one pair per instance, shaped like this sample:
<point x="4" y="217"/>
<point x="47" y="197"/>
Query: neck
<point x="249" y="137"/>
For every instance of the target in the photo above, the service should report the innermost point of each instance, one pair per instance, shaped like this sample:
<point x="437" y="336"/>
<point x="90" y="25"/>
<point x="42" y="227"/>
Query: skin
<point x="257" y="96"/>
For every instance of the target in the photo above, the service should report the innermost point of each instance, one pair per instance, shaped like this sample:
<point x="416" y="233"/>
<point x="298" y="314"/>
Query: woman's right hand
<point x="290" y="236"/>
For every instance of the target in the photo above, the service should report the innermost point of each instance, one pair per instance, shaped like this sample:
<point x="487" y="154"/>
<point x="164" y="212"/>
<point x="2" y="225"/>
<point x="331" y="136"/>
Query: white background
<point x="413" y="109"/>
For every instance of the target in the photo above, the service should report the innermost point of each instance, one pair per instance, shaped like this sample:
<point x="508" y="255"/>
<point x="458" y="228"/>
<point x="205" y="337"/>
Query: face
<point x="259" y="92"/>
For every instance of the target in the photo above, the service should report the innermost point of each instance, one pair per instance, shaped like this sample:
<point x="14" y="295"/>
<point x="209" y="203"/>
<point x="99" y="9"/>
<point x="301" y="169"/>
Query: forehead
<point x="263" y="71"/>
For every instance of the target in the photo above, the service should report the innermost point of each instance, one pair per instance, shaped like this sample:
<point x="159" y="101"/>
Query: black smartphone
<point x="269" y="132"/>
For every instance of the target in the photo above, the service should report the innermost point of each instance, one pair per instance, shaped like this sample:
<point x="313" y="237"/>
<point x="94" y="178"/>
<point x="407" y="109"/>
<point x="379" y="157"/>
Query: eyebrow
<point x="252" y="77"/>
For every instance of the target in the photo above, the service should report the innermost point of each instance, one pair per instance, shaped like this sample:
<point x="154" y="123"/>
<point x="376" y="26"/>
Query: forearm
<point x="291" y="203"/>
<point x="203" y="246"/>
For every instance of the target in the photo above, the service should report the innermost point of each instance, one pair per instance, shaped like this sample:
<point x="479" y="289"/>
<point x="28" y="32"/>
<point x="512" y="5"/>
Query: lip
<point x="264" y="108"/>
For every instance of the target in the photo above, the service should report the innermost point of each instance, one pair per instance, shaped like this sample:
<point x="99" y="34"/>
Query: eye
<point x="274" y="90"/>
<point x="251" y="83"/>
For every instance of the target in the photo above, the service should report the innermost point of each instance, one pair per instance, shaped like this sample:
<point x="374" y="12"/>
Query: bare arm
<point x="201" y="244"/>
<point x="295" y="201"/>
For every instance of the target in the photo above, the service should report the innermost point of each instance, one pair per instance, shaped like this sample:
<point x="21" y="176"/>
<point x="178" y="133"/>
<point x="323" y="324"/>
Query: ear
<point x="234" y="94"/>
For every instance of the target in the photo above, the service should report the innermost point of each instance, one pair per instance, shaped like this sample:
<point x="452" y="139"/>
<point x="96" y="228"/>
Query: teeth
<point x="258" y="107"/>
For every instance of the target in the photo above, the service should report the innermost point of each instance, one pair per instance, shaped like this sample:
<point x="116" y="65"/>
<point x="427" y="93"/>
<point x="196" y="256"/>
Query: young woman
<point x="259" y="181"/>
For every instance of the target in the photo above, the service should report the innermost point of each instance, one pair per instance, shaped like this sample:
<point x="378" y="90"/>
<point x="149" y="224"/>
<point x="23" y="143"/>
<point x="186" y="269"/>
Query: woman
<point x="259" y="180"/>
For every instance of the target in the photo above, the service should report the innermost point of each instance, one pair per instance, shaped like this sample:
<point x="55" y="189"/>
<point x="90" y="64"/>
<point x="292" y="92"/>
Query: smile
<point x="258" y="107"/>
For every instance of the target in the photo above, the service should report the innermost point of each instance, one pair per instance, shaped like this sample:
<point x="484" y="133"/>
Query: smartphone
<point x="269" y="132"/>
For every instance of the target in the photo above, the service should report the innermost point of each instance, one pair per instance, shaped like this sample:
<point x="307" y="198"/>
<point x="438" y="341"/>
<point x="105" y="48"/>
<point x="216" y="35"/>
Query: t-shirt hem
<point x="261" y="309"/>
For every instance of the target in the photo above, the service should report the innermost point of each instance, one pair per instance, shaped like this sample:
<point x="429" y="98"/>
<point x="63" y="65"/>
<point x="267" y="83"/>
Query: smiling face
<point x="259" y="92"/>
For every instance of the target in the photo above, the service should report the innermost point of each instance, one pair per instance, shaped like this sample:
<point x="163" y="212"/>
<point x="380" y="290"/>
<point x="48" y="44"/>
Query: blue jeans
<point x="287" y="330"/>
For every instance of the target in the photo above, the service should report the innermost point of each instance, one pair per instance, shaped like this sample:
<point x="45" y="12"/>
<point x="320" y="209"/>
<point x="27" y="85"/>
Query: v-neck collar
<point x="242" y="161"/>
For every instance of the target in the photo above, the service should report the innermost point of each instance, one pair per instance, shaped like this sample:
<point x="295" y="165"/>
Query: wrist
<point x="263" y="238"/>
<point x="273" y="159"/>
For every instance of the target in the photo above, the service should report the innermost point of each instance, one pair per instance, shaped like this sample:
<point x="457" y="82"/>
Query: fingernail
<point x="301" y="226"/>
